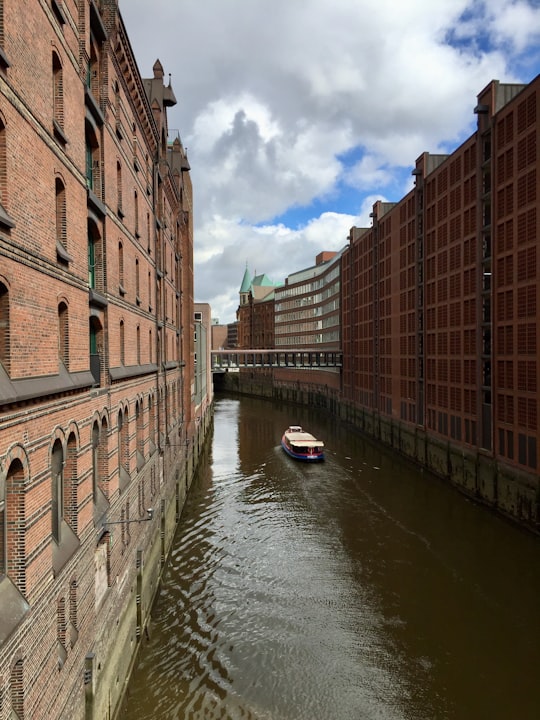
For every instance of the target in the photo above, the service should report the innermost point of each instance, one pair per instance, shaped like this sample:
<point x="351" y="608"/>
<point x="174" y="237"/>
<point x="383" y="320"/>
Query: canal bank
<point x="474" y="472"/>
<point x="108" y="669"/>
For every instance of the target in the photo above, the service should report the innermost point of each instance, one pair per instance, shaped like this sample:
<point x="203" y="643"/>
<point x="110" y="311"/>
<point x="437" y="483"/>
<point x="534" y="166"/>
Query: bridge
<point x="225" y="360"/>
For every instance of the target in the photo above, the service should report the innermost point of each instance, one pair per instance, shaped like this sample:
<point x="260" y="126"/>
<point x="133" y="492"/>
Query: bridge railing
<point x="227" y="359"/>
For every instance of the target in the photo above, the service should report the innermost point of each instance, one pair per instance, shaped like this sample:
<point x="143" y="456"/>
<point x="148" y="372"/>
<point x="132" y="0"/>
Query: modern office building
<point x="99" y="428"/>
<point x="307" y="306"/>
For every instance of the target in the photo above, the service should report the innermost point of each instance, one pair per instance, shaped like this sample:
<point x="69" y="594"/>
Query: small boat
<point x="302" y="445"/>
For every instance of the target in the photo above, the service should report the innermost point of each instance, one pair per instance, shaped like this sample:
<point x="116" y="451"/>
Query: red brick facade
<point x="440" y="295"/>
<point x="96" y="353"/>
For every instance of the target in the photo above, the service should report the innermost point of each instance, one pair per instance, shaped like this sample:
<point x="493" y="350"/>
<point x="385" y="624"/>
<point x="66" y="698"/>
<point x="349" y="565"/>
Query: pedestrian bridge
<point x="226" y="360"/>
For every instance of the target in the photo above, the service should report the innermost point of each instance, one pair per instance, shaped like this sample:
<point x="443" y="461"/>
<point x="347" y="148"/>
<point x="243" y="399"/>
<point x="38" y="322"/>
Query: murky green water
<point x="355" y="589"/>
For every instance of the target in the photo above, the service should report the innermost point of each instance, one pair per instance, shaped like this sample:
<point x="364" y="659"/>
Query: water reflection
<point x="358" y="588"/>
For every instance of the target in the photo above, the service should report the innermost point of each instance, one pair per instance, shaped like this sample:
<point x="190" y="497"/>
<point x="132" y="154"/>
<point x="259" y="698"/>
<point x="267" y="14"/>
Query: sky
<point x="297" y="115"/>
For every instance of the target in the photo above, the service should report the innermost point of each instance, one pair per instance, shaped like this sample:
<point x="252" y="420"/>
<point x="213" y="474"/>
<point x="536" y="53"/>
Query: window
<point x="58" y="99"/>
<point x="119" y="189"/>
<point x="57" y="471"/>
<point x="58" y="11"/>
<point x="95" y="460"/>
<point x="62" y="254"/>
<point x="100" y="462"/>
<point x="93" y="167"/>
<point x="91" y="260"/>
<point x="4" y="328"/>
<point x="118" y="112"/>
<point x="140" y="434"/>
<point x="122" y="343"/>
<point x="92" y="75"/>
<point x="123" y="451"/>
<point x="121" y="269"/>
<point x="96" y="343"/>
<point x="4" y="62"/>
<point x="138" y="345"/>
<point x="136" y="210"/>
<point x="151" y="423"/>
<point x="64" y="502"/>
<point x="63" y="334"/>
<point x="12" y="526"/>
<point x="5" y="220"/>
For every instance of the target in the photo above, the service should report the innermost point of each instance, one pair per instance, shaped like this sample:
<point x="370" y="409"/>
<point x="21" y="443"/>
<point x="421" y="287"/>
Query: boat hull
<point x="302" y="456"/>
<point x="302" y="445"/>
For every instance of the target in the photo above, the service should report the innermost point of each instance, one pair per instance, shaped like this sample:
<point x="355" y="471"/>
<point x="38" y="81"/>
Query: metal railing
<point x="223" y="360"/>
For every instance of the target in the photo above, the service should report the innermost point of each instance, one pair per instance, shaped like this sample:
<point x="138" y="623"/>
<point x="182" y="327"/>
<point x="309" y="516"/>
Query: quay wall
<point x="474" y="472"/>
<point x="105" y="696"/>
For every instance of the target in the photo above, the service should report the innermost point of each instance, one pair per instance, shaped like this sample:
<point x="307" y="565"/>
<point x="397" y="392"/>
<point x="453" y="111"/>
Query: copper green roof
<point x="246" y="282"/>
<point x="262" y="281"/>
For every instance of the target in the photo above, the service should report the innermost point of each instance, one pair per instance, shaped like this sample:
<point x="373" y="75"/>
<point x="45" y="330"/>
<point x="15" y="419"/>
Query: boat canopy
<point x="299" y="438"/>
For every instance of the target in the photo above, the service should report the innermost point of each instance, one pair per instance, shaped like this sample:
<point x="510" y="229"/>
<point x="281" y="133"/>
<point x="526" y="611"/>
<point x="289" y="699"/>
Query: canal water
<point x="359" y="588"/>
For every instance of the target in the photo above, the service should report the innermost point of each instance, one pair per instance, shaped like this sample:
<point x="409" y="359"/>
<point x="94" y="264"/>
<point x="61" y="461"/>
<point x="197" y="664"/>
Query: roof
<point x="246" y="282"/>
<point x="262" y="281"/>
<point x="263" y="293"/>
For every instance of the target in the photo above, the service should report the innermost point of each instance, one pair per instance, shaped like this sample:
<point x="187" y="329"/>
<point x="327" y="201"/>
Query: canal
<point x="359" y="588"/>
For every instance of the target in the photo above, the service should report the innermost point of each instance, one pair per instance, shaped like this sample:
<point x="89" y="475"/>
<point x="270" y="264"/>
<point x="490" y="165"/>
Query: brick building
<point x="255" y="314"/>
<point x="97" y="420"/>
<point x="440" y="303"/>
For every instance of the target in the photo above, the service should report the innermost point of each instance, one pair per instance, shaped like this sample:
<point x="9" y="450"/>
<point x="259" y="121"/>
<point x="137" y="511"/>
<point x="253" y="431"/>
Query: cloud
<point x="274" y="96"/>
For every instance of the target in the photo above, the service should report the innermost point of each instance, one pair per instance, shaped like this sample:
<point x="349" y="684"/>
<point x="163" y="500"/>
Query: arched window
<point x="63" y="334"/>
<point x="92" y="76"/>
<point x="5" y="219"/>
<point x="93" y="166"/>
<point x="95" y="460"/>
<point x="100" y="464"/>
<point x="57" y="472"/>
<point x="95" y="257"/>
<point x="121" y="286"/>
<point x="58" y="97"/>
<point x="96" y="346"/>
<point x="151" y="423"/>
<point x="118" y="112"/>
<point x="119" y="188"/>
<point x="122" y="344"/>
<point x="61" y="222"/>
<point x="140" y="434"/>
<point x="136" y="203"/>
<point x="4" y="328"/>
<point x="137" y="282"/>
<point x="12" y="526"/>
<point x="123" y="451"/>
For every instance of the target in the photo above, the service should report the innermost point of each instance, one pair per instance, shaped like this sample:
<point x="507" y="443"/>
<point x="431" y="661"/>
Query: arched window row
<point x="65" y="498"/>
